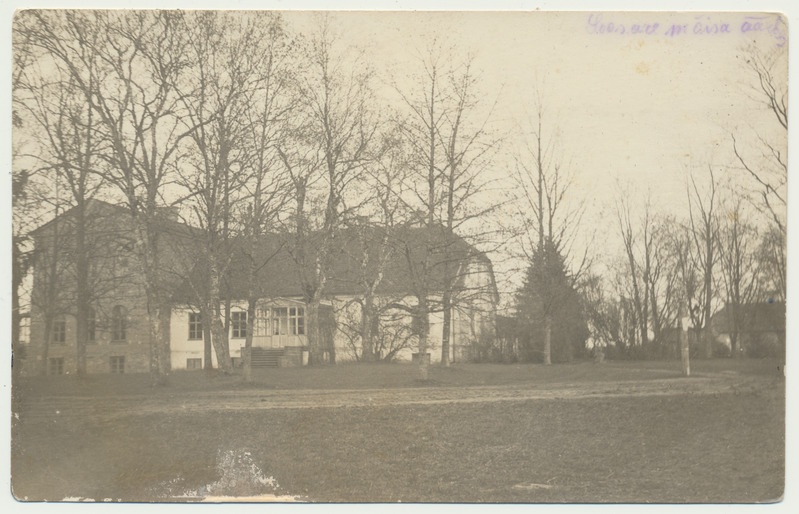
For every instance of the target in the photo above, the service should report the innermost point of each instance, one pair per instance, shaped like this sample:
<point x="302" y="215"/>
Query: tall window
<point x="279" y="321"/>
<point x="117" y="364"/>
<point x="195" y="326"/>
<point x="55" y="366"/>
<point x="296" y="321"/>
<point x="261" y="327"/>
<point x="238" y="323"/>
<point x="91" y="325"/>
<point x="59" y="335"/>
<point x="119" y="324"/>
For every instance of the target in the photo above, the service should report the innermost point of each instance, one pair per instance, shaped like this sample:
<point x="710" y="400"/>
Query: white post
<point x="684" y="349"/>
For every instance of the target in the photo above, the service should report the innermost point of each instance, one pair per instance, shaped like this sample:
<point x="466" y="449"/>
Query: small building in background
<point x="758" y="328"/>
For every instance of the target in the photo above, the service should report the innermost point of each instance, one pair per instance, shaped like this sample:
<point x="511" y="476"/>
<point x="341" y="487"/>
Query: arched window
<point x="119" y="324"/>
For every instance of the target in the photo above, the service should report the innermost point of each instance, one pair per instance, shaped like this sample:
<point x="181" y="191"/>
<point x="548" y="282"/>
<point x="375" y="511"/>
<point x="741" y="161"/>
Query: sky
<point x="632" y="100"/>
<point x="635" y="101"/>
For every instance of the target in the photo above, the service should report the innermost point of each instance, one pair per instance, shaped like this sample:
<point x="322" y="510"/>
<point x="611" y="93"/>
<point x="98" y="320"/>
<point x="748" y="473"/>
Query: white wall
<point x="183" y="348"/>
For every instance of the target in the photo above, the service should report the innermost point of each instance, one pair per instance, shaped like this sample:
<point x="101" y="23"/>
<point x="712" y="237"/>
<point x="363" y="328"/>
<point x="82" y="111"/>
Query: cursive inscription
<point x="702" y="25"/>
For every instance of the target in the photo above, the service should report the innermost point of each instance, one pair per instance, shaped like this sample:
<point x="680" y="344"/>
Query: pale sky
<point x="631" y="99"/>
<point x="633" y="109"/>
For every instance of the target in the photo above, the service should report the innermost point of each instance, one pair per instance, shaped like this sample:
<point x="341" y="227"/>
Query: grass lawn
<point x="725" y="447"/>
<point x="378" y="375"/>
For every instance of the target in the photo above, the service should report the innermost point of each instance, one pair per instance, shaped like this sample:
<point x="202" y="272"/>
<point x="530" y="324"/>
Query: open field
<point x="616" y="432"/>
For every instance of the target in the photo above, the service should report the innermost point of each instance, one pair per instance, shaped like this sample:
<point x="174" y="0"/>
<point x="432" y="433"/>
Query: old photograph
<point x="398" y="256"/>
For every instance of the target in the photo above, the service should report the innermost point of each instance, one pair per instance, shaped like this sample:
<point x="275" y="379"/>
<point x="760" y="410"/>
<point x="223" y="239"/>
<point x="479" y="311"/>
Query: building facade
<point x="117" y="339"/>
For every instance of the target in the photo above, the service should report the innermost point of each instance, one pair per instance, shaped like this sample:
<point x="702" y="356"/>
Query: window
<point x="91" y="325"/>
<point x="59" y="334"/>
<point x="296" y="321"/>
<point x="280" y="321"/>
<point x="194" y="364"/>
<point x="119" y="324"/>
<point x="238" y="322"/>
<point x="262" y="322"/>
<point x="195" y="326"/>
<point x="118" y="364"/>
<point x="55" y="366"/>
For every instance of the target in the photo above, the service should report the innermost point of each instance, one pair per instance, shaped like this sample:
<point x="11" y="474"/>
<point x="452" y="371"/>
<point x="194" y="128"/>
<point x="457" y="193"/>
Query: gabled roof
<point x="354" y="256"/>
<point x="96" y="209"/>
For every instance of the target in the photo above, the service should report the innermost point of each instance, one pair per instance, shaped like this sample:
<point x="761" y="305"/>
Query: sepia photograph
<point x="524" y="257"/>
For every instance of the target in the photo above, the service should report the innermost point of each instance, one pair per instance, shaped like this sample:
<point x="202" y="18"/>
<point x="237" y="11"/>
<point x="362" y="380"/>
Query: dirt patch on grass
<point x="105" y="409"/>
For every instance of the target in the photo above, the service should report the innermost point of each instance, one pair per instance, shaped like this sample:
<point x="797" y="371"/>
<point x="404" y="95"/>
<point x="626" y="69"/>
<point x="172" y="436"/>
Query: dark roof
<point x="354" y="255"/>
<point x="753" y="317"/>
<point x="353" y="251"/>
<point x="96" y="209"/>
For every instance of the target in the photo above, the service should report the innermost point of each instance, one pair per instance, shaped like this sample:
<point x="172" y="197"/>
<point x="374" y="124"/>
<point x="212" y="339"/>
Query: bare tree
<point x="370" y="242"/>
<point x="335" y="125"/>
<point x="445" y="125"/>
<point x="20" y="180"/>
<point x="267" y="185"/>
<point x="703" y="232"/>
<point x="132" y="92"/>
<point x="762" y="153"/>
<point x="738" y="266"/>
<point x="467" y="148"/>
<point x="637" y="287"/>
<point x="421" y="129"/>
<point x="217" y="92"/>
<point x="549" y="224"/>
<point x="69" y="142"/>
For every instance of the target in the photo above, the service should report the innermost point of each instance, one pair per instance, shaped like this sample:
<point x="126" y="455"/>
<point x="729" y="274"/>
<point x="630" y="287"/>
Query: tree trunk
<point x="208" y="357"/>
<point x="708" y="337"/>
<point x="157" y="309"/>
<point x="423" y="327"/>
<point x="315" y="351"/>
<point x="17" y="275"/>
<point x="219" y="340"/>
<point x="160" y="365"/>
<point x="246" y="354"/>
<point x="82" y="299"/>
<point x="217" y="326"/>
<point x="446" y="302"/>
<point x="548" y="339"/>
<point x="48" y="327"/>
<point x="367" y="332"/>
<point x="735" y="332"/>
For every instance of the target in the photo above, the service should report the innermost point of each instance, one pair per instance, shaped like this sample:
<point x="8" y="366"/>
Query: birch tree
<point x="445" y="124"/>
<point x="325" y="157"/>
<point x="267" y="187"/>
<point x="217" y="91"/>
